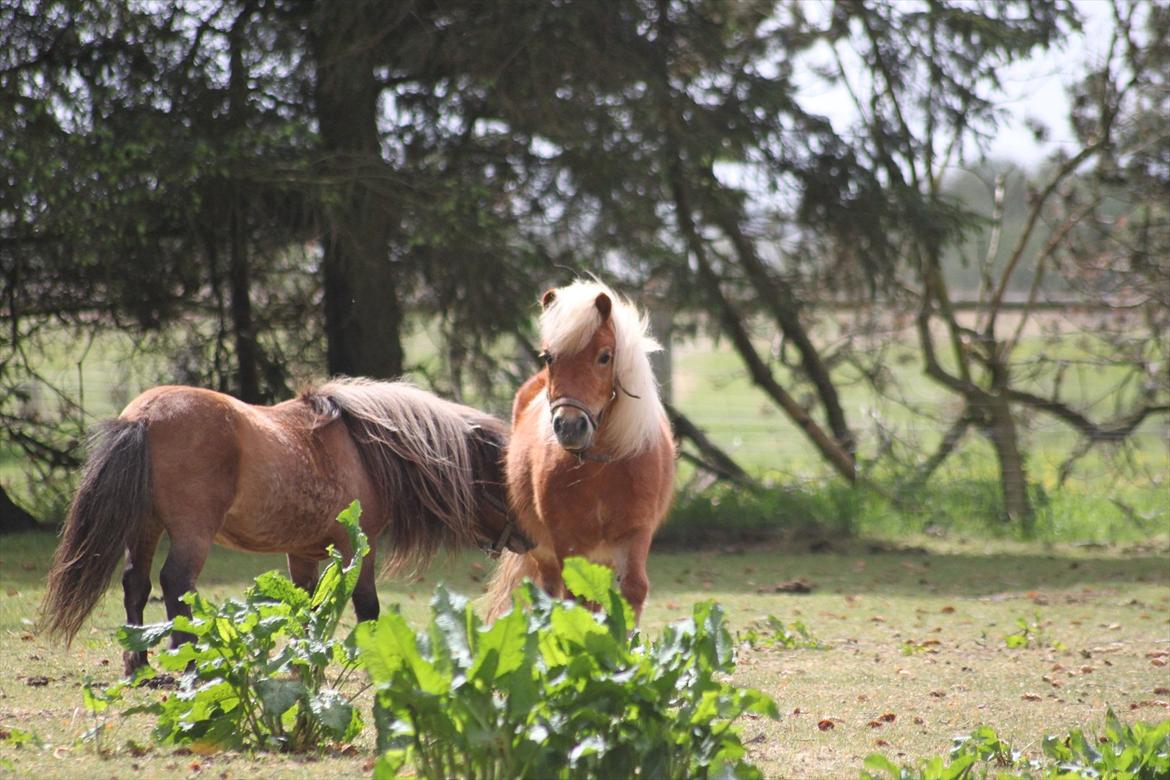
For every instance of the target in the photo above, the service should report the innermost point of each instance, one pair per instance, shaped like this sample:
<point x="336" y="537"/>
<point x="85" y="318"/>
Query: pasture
<point x="919" y="634"/>
<point x="915" y="607"/>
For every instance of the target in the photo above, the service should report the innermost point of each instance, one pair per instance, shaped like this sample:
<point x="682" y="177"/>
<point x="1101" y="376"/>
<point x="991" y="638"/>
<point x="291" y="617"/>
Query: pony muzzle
<point x="574" y="427"/>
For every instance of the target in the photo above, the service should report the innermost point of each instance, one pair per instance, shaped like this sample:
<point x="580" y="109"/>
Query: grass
<point x="957" y="508"/>
<point x="913" y="602"/>
<point x="1114" y="495"/>
<point x="1111" y="492"/>
<point x="914" y="633"/>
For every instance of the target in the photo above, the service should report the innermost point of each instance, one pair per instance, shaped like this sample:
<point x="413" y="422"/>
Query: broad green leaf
<point x="958" y="768"/>
<point x="350" y="518"/>
<point x="94" y="700"/>
<point x="587" y="580"/>
<point x="574" y="624"/>
<point x="276" y="586"/>
<point x="334" y="712"/>
<point x="450" y="621"/>
<point x="277" y="696"/>
<point x="185" y="654"/>
<point x="879" y="763"/>
<point x="390" y="645"/>
<point x="388" y="764"/>
<point x="327" y="586"/>
<point x="138" y="638"/>
<point x="382" y="646"/>
<point x="186" y="625"/>
<point x="500" y="650"/>
<point x="713" y="644"/>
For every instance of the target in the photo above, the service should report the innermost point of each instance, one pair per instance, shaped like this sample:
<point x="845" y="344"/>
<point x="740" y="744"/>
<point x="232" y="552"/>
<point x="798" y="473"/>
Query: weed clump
<point x="555" y="690"/>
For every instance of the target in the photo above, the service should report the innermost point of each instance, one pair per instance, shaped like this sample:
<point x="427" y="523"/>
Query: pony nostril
<point x="570" y="427"/>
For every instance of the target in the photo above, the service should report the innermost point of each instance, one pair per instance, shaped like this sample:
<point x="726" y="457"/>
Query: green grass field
<point x="912" y="602"/>
<point x="914" y="633"/>
<point x="1113" y="495"/>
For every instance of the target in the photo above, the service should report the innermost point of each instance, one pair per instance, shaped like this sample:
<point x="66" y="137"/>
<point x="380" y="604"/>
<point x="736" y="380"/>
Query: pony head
<point x="595" y="347"/>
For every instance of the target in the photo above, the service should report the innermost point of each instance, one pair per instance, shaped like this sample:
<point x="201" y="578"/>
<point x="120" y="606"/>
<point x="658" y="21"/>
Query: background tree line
<point x="274" y="188"/>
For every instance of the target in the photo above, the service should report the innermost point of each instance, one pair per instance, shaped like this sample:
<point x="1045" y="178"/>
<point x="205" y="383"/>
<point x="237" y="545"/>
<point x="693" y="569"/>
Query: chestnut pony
<point x="204" y="468"/>
<point x="591" y="458"/>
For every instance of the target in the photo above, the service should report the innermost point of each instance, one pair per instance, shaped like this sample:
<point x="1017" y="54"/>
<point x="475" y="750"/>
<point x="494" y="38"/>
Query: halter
<point x="568" y="400"/>
<point x="497" y="549"/>
<point x="506" y="533"/>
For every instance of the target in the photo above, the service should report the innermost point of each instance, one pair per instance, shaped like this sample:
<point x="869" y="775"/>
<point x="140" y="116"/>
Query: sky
<point x="1035" y="89"/>
<point x="1039" y="88"/>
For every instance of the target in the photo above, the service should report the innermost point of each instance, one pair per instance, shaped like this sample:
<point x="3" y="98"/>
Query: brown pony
<point x="591" y="459"/>
<point x="204" y="468"/>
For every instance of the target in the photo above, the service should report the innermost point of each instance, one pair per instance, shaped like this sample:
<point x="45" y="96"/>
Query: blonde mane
<point x="632" y="424"/>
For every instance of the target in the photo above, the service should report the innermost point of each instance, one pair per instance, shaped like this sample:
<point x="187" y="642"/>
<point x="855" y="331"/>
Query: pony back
<point x="430" y="460"/>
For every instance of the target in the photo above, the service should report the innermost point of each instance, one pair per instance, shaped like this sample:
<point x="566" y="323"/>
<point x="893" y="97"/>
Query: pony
<point x="590" y="463"/>
<point x="206" y="468"/>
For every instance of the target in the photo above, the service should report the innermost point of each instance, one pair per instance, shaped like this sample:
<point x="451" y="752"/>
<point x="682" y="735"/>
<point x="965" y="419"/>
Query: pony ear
<point x="549" y="296"/>
<point x="604" y="305"/>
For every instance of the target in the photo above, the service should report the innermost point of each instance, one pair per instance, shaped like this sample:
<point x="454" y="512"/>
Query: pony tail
<point x="511" y="570"/>
<point x="112" y="502"/>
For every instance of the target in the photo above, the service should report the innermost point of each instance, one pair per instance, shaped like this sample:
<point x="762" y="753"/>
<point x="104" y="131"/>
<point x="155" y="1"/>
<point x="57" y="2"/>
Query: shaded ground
<point x="914" y="634"/>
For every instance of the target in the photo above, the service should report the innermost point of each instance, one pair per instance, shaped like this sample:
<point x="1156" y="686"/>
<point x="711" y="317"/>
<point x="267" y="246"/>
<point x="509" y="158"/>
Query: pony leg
<point x="631" y="572"/>
<point x="303" y="571"/>
<point x="178" y="575"/>
<point x="136" y="588"/>
<point x="365" y="593"/>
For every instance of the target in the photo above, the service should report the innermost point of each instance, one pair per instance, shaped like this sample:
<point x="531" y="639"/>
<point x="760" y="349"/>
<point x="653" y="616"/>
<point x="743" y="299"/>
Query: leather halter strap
<point x="595" y="421"/>
<point x="505" y="536"/>
<point x="509" y="530"/>
<point x="570" y="401"/>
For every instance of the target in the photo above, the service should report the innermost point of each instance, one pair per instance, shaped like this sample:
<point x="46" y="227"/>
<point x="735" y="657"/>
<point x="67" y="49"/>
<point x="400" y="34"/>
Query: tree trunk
<point x="12" y="517"/>
<point x="732" y="325"/>
<point x="661" y="324"/>
<point x="714" y="458"/>
<point x="1013" y="477"/>
<point x="731" y="321"/>
<point x="239" y="270"/>
<point x="363" y="315"/>
<point x="778" y="299"/>
<point x="240" y="283"/>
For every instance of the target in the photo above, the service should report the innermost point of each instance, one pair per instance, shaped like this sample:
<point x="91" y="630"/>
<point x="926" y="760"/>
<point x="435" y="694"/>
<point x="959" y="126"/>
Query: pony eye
<point x="546" y="357"/>
<point x="604" y="357"/>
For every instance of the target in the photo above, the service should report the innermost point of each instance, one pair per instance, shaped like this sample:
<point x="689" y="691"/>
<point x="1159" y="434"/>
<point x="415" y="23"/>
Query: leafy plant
<point x="773" y="633"/>
<point x="1137" y="752"/>
<point x="1140" y="751"/>
<point x="1030" y="634"/>
<point x="97" y="700"/>
<point x="256" y="668"/>
<point x="19" y="738"/>
<point x="554" y="690"/>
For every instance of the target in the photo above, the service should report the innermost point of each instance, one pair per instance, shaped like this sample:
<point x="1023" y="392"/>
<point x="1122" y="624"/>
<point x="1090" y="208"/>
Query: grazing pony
<point x="204" y="468"/>
<point x="591" y="458"/>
